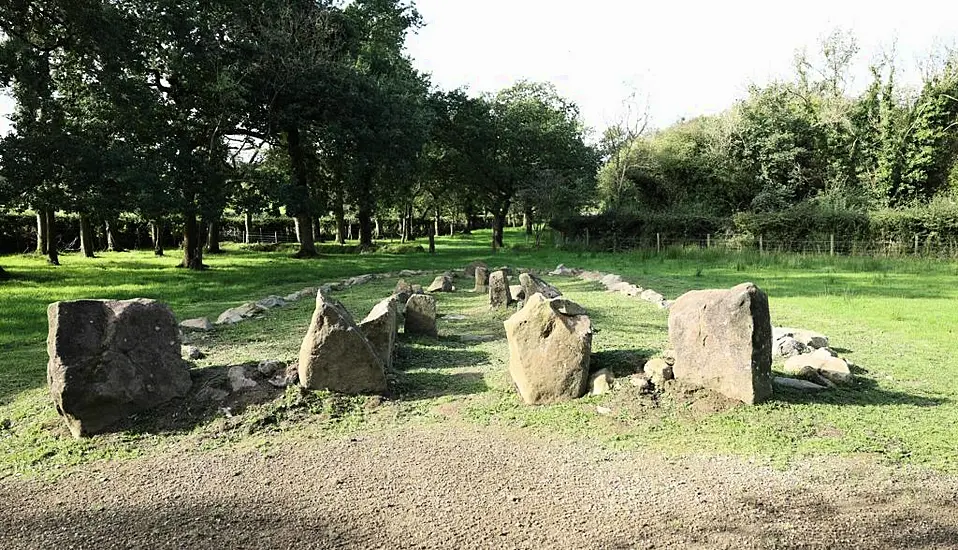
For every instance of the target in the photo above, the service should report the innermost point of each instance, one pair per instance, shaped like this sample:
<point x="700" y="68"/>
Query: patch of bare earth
<point x="456" y="487"/>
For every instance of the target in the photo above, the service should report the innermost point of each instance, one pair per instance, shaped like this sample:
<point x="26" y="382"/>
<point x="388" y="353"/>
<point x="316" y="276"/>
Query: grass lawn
<point x="894" y="318"/>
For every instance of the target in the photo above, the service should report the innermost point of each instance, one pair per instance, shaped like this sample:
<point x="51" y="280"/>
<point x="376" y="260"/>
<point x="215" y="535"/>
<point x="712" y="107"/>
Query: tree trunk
<point x="409" y="222"/>
<point x="86" y="236"/>
<point x="452" y="229"/>
<point x="498" y="226"/>
<point x="378" y="234"/>
<point x="432" y="243"/>
<point x="402" y="228"/>
<point x="527" y="220"/>
<point x="213" y="237"/>
<point x="437" y="222"/>
<point x="42" y="237"/>
<point x="50" y="221"/>
<point x="297" y="158"/>
<point x="192" y="243"/>
<point x="247" y="226"/>
<point x="365" y="228"/>
<point x="304" y="233"/>
<point x="340" y="212"/>
<point x="157" y="235"/>
<point x="110" y="237"/>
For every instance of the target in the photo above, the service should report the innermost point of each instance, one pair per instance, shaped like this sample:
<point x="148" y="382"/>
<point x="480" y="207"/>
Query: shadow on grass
<point x="622" y="362"/>
<point x="863" y="393"/>
<point x="415" y="386"/>
<point x="422" y="353"/>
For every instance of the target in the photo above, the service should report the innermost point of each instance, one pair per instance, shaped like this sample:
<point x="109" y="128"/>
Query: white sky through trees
<point x="684" y="57"/>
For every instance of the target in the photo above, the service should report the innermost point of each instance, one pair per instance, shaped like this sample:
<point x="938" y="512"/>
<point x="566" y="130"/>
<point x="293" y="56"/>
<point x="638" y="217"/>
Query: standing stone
<point x="532" y="284"/>
<point x="471" y="269"/>
<point x="482" y="279"/>
<point x="421" y="316"/>
<point x="499" y="295"/>
<point x="403" y="291"/>
<point x="380" y="328"/>
<point x="442" y="283"/>
<point x="112" y="359"/>
<point x="335" y="354"/>
<point x="722" y="341"/>
<point x="516" y="292"/>
<point x="549" y="346"/>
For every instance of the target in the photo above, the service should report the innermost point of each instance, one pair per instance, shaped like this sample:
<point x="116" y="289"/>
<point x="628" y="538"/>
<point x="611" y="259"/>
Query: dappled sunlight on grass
<point x="894" y="318"/>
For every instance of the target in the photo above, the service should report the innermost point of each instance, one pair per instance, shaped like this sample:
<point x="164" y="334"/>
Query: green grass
<point x="893" y="317"/>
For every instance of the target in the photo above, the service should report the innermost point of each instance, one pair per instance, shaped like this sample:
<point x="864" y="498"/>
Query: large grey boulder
<point x="722" y="341"/>
<point x="335" y="354"/>
<point x="421" y="316"/>
<point x="499" y="294"/>
<point x="112" y="359"/>
<point x="550" y="342"/>
<point x="532" y="284"/>
<point x="380" y="328"/>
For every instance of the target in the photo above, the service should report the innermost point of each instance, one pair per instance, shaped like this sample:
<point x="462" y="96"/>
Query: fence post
<point x="831" y="245"/>
<point x="761" y="244"/>
<point x="587" y="237"/>
<point x="708" y="240"/>
<point x="275" y="236"/>
<point x="916" y="244"/>
<point x="658" y="243"/>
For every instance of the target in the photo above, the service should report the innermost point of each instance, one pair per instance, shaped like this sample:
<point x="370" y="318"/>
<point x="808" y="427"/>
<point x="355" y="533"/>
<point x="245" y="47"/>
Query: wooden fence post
<point x="831" y="245"/>
<point x="761" y="244"/>
<point x="658" y="243"/>
<point x="708" y="240"/>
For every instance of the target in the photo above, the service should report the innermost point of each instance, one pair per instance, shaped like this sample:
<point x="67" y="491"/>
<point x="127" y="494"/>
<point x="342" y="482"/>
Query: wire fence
<point x="263" y="237"/>
<point x="930" y="246"/>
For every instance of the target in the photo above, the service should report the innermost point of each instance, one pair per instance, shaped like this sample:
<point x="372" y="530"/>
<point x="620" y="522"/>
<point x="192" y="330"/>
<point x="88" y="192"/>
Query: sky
<point x="678" y="58"/>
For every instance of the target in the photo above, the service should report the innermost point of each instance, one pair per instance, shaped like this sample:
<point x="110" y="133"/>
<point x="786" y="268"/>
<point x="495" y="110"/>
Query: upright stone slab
<point x="421" y="316"/>
<point x="482" y="279"/>
<point x="532" y="284"/>
<point x="403" y="291"/>
<point x="722" y="341"/>
<point x="474" y="266"/>
<point x="336" y="355"/>
<point x="499" y="295"/>
<point x="380" y="328"/>
<point x="112" y="359"/>
<point x="550" y="342"/>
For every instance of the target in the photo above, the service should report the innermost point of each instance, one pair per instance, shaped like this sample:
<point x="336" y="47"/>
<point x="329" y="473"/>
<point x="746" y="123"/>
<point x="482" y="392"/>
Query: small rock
<point x="652" y="296"/>
<point x="562" y="271"/>
<point x="604" y="411"/>
<point x="516" y="292"/>
<point x="270" y="367"/>
<point x="211" y="394"/>
<point x="201" y="323"/>
<point x="271" y="302"/>
<point x="238" y="379"/>
<point x="796" y="384"/>
<point x="192" y="352"/>
<point x="658" y="371"/>
<point x="832" y="368"/>
<point x="442" y="283"/>
<point x="640" y="381"/>
<point x="609" y="280"/>
<point x="591" y="276"/>
<point x="601" y="382"/>
<point x="787" y="346"/>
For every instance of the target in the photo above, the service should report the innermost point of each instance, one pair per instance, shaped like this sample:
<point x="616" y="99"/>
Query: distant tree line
<point x="802" y="143"/>
<point x="181" y="112"/>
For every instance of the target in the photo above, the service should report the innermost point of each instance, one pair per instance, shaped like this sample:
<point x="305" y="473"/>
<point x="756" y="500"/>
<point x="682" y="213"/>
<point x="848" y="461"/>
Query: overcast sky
<point x="687" y="58"/>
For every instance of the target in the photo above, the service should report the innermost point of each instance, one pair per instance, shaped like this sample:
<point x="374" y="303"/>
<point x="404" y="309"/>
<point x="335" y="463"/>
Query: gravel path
<point x="456" y="487"/>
